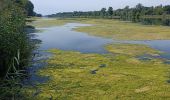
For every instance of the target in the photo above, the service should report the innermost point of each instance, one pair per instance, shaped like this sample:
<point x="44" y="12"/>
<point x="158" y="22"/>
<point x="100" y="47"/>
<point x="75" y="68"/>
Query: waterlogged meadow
<point x="117" y="75"/>
<point x="124" y="73"/>
<point x="125" y="30"/>
<point x="84" y="55"/>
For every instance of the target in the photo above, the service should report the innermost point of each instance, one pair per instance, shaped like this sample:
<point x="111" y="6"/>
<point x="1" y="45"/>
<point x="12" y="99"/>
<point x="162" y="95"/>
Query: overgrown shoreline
<point x="125" y="72"/>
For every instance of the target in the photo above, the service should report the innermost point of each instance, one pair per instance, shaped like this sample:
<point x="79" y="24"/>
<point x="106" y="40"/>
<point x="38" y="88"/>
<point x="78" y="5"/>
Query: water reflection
<point x="65" y="38"/>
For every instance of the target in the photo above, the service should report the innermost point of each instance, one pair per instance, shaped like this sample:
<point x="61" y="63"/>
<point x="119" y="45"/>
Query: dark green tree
<point x="29" y="8"/>
<point x="110" y="11"/>
<point x="103" y="12"/>
<point x="167" y="9"/>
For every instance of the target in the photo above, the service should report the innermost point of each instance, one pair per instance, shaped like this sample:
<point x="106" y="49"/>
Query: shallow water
<point x="162" y="45"/>
<point x="64" y="38"/>
<point x="37" y="64"/>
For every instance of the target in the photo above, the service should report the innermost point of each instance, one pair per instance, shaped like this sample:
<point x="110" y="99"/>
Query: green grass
<point x="118" y="76"/>
<point x="51" y="22"/>
<point x="42" y="22"/>
<point x="125" y="30"/>
<point x="132" y="49"/>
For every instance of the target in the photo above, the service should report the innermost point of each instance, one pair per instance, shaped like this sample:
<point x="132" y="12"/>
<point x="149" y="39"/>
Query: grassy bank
<point x="44" y="22"/>
<point x="76" y="76"/>
<point x="124" y="30"/>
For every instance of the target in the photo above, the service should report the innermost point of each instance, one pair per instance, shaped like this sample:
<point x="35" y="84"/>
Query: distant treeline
<point x="127" y="13"/>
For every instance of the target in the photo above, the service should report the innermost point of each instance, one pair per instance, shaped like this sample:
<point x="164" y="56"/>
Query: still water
<point x="64" y="38"/>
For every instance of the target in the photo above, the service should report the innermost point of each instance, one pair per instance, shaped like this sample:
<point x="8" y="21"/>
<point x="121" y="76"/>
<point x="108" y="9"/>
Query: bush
<point x="14" y="42"/>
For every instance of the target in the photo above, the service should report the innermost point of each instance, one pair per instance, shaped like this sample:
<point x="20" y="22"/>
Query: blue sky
<point x="53" y="6"/>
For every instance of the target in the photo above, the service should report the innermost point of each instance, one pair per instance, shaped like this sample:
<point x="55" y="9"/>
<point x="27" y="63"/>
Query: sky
<point x="54" y="6"/>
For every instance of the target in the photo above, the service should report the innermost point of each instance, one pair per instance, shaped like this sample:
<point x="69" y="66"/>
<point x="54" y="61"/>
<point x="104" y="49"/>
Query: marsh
<point x="87" y="65"/>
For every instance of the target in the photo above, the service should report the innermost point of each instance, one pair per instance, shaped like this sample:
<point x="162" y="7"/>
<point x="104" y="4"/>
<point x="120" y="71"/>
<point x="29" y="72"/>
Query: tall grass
<point x="14" y="42"/>
<point x="15" y="49"/>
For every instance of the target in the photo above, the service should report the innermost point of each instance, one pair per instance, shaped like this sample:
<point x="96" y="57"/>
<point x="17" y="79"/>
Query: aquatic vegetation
<point x="124" y="30"/>
<point x="132" y="49"/>
<point x="116" y="75"/>
<point x="76" y="76"/>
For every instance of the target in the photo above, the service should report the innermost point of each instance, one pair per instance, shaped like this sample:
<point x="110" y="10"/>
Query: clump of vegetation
<point x="93" y="76"/>
<point x="132" y="49"/>
<point x="15" y="46"/>
<point x="13" y="40"/>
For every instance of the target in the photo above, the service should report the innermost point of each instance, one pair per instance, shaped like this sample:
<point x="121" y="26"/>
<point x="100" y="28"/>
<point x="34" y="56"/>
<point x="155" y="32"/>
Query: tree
<point x="158" y="10"/>
<point x="103" y="12"/>
<point x="39" y="15"/>
<point x="110" y="11"/>
<point x="126" y="13"/>
<point x="29" y="8"/>
<point x="135" y="14"/>
<point x="139" y="7"/>
<point x="167" y="9"/>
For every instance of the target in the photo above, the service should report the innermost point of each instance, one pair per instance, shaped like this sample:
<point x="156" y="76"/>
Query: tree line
<point x="127" y="13"/>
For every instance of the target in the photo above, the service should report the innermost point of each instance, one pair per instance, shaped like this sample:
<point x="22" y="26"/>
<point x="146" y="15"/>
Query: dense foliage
<point x="127" y="13"/>
<point x="15" y="45"/>
<point x="14" y="42"/>
<point x="12" y="37"/>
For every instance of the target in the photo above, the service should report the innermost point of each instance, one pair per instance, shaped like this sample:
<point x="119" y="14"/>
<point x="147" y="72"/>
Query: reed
<point x="15" y="50"/>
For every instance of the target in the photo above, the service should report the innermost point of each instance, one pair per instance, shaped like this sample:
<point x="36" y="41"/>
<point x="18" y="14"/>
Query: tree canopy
<point x="127" y="13"/>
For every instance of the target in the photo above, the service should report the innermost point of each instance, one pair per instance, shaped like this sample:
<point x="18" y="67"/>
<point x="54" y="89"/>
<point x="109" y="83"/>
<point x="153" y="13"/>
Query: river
<point x="65" y="38"/>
